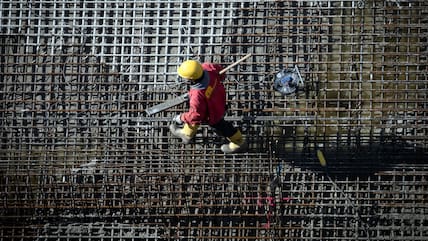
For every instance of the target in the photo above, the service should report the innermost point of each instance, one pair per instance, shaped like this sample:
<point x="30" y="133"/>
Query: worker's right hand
<point x="177" y="119"/>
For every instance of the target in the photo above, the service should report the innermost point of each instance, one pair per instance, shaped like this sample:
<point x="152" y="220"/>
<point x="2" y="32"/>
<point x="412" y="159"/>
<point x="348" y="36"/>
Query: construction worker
<point x="207" y="100"/>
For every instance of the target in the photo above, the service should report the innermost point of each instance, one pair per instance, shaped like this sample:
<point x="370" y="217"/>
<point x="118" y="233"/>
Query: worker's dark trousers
<point x="224" y="128"/>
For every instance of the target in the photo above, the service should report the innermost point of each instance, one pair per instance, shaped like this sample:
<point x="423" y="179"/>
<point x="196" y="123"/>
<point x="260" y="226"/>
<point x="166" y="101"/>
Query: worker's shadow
<point x="352" y="161"/>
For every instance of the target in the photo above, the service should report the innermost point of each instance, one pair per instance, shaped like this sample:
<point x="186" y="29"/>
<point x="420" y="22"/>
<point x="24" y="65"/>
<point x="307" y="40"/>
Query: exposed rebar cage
<point x="80" y="160"/>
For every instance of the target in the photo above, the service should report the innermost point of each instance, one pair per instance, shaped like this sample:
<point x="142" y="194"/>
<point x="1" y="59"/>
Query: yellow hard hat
<point x="191" y="70"/>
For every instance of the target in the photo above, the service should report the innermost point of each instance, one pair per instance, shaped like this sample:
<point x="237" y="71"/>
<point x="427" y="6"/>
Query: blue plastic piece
<point x="288" y="81"/>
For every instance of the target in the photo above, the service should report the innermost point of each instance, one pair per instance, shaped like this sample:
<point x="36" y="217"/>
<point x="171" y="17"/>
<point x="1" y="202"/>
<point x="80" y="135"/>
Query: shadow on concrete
<point x="358" y="161"/>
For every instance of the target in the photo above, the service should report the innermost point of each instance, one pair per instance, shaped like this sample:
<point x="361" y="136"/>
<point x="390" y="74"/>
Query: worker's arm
<point x="197" y="113"/>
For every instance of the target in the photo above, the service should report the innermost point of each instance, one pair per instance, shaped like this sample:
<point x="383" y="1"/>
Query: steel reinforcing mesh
<point x="80" y="160"/>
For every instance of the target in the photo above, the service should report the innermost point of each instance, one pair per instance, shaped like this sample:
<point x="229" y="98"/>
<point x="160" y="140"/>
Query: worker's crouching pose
<point x="207" y="100"/>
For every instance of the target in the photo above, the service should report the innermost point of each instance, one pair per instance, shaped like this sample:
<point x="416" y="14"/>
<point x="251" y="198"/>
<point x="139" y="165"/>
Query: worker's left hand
<point x="177" y="119"/>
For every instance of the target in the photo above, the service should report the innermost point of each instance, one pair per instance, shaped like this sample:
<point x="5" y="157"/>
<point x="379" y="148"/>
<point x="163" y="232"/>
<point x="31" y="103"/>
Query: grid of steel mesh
<point x="81" y="161"/>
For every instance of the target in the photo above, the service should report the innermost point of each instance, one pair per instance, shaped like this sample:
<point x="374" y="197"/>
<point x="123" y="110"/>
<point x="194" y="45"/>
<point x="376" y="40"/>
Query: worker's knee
<point x="224" y="128"/>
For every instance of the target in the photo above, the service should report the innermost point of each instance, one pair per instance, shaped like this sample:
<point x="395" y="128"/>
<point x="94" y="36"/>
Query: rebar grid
<point x="80" y="161"/>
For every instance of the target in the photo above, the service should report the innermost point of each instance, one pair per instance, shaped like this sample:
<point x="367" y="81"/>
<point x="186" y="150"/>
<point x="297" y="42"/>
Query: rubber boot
<point x="186" y="133"/>
<point x="237" y="144"/>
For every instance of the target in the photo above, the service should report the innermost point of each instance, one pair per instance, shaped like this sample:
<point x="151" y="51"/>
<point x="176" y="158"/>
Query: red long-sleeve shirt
<point x="207" y="99"/>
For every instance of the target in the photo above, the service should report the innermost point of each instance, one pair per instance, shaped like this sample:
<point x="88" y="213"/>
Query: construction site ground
<point x="81" y="160"/>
